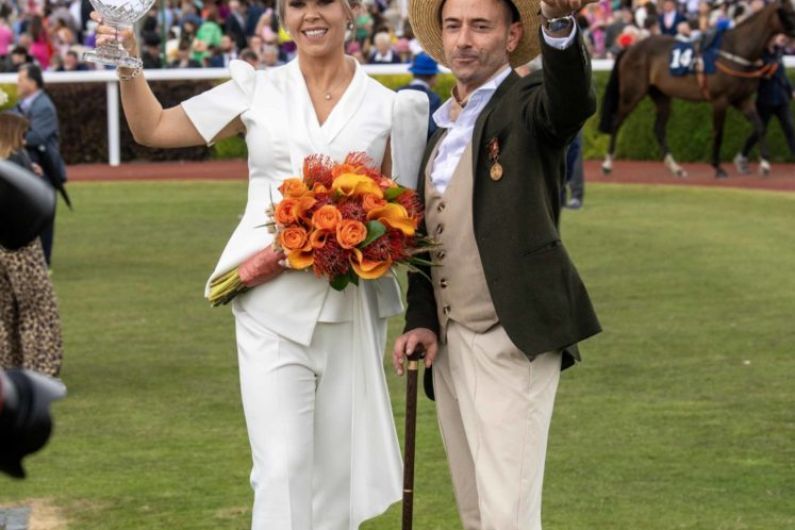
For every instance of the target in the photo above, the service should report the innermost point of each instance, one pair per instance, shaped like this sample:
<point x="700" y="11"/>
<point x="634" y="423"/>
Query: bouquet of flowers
<point x="344" y="221"/>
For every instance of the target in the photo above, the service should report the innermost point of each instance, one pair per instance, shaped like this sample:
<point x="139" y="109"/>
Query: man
<point x="670" y="18"/>
<point x="425" y="70"/>
<point x="18" y="56"/>
<point x="772" y="99"/>
<point x="43" y="138"/>
<point x="71" y="63"/>
<point x="506" y="302"/>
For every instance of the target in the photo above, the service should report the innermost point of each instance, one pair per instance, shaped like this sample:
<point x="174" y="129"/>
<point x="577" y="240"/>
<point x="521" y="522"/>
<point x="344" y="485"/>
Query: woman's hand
<point x="262" y="267"/>
<point x="106" y="34"/>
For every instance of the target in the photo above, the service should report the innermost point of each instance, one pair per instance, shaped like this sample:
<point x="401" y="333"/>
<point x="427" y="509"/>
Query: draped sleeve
<point x="410" y="111"/>
<point x="213" y="109"/>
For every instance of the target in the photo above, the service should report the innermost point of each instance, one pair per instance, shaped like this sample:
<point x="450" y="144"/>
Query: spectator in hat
<point x="424" y="69"/>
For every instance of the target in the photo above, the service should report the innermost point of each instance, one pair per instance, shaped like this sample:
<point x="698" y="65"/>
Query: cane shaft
<point x="410" y="434"/>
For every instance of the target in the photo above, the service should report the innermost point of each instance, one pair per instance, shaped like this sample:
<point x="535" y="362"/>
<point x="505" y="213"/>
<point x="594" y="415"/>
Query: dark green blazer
<point x="539" y="297"/>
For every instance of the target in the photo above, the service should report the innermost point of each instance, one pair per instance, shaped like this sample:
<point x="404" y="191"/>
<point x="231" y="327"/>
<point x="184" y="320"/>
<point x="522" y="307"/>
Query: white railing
<point x="176" y="74"/>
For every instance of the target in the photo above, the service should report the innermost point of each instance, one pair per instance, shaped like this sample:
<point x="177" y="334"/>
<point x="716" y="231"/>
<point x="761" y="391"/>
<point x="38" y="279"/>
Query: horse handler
<point x="506" y="308"/>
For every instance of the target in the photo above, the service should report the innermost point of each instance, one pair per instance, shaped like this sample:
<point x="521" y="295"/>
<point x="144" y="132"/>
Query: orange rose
<point x="326" y="217"/>
<point x="294" y="238"/>
<point x="395" y="216"/>
<point x="293" y="188"/>
<point x="371" y="202"/>
<point x="369" y="269"/>
<point x="350" y="233"/>
<point x="286" y="212"/>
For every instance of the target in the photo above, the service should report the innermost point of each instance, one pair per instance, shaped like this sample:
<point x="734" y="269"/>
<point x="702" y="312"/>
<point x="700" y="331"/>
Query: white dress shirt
<point x="460" y="130"/>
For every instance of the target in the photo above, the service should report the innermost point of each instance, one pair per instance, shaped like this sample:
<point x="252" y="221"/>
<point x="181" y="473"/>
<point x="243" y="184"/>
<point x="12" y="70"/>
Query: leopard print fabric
<point x="30" y="328"/>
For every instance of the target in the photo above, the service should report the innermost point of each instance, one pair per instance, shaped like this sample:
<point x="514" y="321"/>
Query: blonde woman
<point x="30" y="328"/>
<point x="325" y="452"/>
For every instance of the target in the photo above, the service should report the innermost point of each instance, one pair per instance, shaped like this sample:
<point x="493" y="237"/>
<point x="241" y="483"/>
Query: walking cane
<point x="408" y="446"/>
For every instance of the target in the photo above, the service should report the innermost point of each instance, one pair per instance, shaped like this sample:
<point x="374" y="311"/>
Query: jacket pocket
<point x="546" y="247"/>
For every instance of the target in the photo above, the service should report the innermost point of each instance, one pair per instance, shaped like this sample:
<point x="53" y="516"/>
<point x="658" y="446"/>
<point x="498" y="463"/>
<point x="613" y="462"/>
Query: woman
<point x="30" y="329"/>
<point x="318" y="415"/>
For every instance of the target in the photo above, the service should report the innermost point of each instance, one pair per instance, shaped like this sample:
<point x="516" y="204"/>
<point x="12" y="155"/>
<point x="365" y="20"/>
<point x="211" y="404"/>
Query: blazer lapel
<point x="480" y="124"/>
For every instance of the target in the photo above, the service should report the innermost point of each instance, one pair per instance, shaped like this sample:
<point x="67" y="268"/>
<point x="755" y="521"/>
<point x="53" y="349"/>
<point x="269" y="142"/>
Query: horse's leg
<point x="637" y="91"/>
<point x="718" y="119"/>
<point x="663" y="104"/>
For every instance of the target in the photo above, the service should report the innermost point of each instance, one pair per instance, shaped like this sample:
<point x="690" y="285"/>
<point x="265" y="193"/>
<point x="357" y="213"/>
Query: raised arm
<point x="150" y="123"/>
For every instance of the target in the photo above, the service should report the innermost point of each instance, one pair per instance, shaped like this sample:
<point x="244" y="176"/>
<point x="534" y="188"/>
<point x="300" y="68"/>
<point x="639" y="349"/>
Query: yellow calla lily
<point x="300" y="260"/>
<point x="395" y="216"/>
<point x="368" y="269"/>
<point x="350" y="184"/>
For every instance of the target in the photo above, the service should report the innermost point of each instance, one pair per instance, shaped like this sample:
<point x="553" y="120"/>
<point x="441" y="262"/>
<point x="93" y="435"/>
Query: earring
<point x="350" y="24"/>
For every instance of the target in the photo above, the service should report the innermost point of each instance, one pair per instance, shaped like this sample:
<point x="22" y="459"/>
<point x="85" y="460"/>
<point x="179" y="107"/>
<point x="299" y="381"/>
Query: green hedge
<point x="82" y="115"/>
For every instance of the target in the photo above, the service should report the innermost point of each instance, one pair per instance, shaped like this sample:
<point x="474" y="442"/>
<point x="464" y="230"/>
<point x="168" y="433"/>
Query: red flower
<point x="399" y="245"/>
<point x="331" y="260"/>
<point x="352" y="209"/>
<point x="413" y="205"/>
<point x="317" y="169"/>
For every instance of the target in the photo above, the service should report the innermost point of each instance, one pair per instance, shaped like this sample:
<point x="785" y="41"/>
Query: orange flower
<point x="286" y="212"/>
<point x="350" y="184"/>
<point x="369" y="269"/>
<point x="326" y="217"/>
<point x="300" y="260"/>
<point x="371" y="202"/>
<point x="293" y="188"/>
<point x="350" y="233"/>
<point x="294" y="238"/>
<point x="318" y="238"/>
<point x="341" y="169"/>
<point x="395" y="216"/>
<point x="305" y="204"/>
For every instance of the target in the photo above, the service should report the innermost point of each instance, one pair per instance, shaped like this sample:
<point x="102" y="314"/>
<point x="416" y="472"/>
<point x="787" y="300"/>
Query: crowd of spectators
<point x="612" y="25"/>
<point x="210" y="33"/>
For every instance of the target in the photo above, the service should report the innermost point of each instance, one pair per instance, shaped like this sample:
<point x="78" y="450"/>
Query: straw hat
<point x="425" y="19"/>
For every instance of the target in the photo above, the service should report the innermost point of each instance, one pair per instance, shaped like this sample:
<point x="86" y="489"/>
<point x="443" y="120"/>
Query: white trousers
<point x="494" y="409"/>
<point x="298" y="403"/>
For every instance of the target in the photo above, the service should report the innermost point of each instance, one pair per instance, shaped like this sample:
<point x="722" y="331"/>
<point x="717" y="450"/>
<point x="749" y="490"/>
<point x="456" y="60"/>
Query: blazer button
<point x="443" y="283"/>
<point x="441" y="207"/>
<point x="439" y="229"/>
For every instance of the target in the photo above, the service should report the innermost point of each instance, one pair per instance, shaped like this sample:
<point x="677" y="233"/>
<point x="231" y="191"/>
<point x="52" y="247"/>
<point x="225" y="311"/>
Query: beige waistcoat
<point x="459" y="284"/>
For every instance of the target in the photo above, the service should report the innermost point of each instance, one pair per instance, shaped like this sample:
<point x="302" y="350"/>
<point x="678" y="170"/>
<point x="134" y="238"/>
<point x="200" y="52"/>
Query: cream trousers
<point x="494" y="409"/>
<point x="311" y="462"/>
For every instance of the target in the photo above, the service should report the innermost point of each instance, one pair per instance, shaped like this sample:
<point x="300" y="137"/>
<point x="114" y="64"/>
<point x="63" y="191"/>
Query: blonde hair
<point x="346" y="4"/>
<point x="12" y="133"/>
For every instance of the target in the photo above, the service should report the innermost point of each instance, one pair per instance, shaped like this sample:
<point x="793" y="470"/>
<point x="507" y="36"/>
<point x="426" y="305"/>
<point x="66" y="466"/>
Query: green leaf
<point x="390" y="194"/>
<point x="353" y="278"/>
<point x="340" y="282"/>
<point x="375" y="229"/>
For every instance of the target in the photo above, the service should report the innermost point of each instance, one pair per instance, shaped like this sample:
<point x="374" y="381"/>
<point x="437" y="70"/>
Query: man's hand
<point x="407" y="343"/>
<point x="561" y="8"/>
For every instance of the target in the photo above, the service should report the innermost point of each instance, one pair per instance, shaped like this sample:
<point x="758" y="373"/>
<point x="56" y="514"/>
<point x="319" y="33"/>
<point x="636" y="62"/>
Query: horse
<point x="643" y="69"/>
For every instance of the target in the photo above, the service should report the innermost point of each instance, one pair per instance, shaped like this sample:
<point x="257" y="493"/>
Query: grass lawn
<point x="681" y="416"/>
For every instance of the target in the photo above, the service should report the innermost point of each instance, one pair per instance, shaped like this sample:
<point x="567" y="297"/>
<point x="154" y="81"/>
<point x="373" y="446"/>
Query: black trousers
<point x="766" y="112"/>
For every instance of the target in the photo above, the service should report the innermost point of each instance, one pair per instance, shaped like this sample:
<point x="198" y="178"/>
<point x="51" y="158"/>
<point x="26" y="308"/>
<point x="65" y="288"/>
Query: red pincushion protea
<point x="399" y="245"/>
<point x="317" y="169"/>
<point x="352" y="209"/>
<point x="378" y="250"/>
<point x="331" y="260"/>
<point x="411" y="202"/>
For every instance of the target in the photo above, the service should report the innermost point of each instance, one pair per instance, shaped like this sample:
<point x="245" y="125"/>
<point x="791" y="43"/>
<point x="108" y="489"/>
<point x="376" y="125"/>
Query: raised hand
<point x="562" y="8"/>
<point x="107" y="34"/>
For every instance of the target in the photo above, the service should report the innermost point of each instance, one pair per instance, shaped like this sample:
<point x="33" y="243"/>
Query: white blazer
<point x="281" y="130"/>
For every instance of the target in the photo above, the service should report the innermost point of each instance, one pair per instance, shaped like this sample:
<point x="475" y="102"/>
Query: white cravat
<point x="461" y="128"/>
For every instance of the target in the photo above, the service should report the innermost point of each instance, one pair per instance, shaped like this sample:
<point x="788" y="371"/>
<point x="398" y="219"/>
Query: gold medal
<point x="496" y="171"/>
